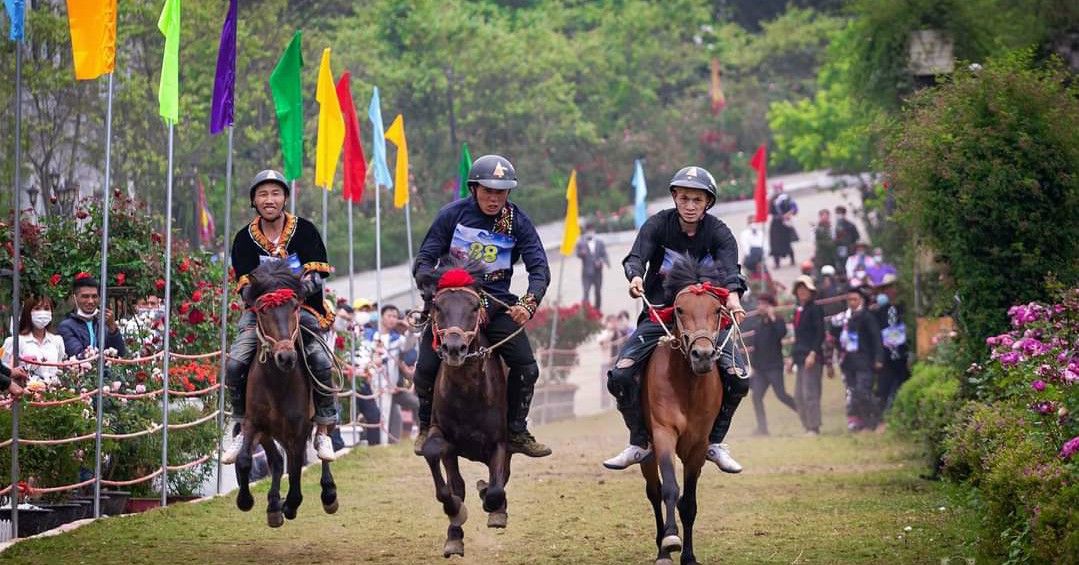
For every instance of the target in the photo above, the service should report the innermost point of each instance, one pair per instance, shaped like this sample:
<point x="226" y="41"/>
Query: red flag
<point x="355" y="161"/>
<point x="719" y="101"/>
<point x="759" y="163"/>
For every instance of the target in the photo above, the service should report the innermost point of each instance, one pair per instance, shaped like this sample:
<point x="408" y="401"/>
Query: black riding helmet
<point x="492" y="171"/>
<point x="698" y="178"/>
<point x="270" y="176"/>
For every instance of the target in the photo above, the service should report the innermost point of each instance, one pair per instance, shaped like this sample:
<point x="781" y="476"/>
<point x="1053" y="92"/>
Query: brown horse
<point x="279" y="404"/>
<point x="680" y="398"/>
<point x="468" y="417"/>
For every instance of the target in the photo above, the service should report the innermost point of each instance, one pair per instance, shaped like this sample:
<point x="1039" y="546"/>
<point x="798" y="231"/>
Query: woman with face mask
<point x="36" y="342"/>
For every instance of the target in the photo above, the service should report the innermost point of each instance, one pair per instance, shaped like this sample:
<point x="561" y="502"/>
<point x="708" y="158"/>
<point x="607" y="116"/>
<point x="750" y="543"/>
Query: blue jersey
<point x="499" y="242"/>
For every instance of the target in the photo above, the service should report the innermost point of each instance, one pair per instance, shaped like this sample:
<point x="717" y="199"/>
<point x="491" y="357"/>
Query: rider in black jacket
<point x="685" y="229"/>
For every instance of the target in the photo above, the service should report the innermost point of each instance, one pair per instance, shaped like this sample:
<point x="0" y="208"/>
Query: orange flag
<point x="716" y="90"/>
<point x="93" y="37"/>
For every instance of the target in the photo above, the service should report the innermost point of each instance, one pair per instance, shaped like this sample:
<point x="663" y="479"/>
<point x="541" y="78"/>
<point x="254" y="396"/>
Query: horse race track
<point x="833" y="499"/>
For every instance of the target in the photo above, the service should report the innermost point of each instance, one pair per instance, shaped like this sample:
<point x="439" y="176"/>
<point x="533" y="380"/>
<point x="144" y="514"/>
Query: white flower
<point x="110" y="352"/>
<point x="85" y="413"/>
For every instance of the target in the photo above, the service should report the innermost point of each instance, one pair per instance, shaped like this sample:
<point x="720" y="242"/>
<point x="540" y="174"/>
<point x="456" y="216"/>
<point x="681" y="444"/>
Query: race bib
<point x="894" y="336"/>
<point x="849" y="341"/>
<point x="293" y="262"/>
<point x="669" y="257"/>
<point x="494" y="250"/>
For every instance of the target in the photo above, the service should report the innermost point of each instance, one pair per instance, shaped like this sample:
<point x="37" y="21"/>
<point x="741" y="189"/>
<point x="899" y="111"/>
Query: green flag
<point x="286" y="86"/>
<point x="462" y="178"/>
<point x="168" y="93"/>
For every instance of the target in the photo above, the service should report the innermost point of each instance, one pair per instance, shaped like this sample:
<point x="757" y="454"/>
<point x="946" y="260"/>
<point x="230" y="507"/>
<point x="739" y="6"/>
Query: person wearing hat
<point x="893" y="334"/>
<point x="807" y="354"/>
<point x="860" y="262"/>
<point x="827" y="283"/>
<point x="275" y="235"/>
<point x="686" y="229"/>
<point x="861" y="356"/>
<point x="490" y="228"/>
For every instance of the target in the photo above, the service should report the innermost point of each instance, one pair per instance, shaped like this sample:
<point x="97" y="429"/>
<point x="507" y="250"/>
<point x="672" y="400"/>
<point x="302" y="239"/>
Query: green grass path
<point x="837" y="499"/>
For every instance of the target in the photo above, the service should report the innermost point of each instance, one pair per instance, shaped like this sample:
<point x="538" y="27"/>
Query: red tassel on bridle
<point x="456" y="278"/>
<point x="275" y="298"/>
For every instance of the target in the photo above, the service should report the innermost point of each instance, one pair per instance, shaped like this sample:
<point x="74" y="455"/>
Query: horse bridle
<point x="268" y="344"/>
<point x="687" y="340"/>
<point x="467" y="335"/>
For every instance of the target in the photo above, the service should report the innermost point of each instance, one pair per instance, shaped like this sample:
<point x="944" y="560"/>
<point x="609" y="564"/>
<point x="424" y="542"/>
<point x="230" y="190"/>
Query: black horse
<point x="279" y="405"/>
<point x="469" y="410"/>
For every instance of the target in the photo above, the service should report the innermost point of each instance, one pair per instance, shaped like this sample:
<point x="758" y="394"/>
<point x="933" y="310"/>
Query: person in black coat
<point x="861" y="356"/>
<point x="767" y="360"/>
<point x="893" y="333"/>
<point x="807" y="354"/>
<point x="593" y="254"/>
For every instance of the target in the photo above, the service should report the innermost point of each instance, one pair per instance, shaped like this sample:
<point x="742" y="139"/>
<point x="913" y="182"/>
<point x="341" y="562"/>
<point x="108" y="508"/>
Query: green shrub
<point x="924" y="407"/>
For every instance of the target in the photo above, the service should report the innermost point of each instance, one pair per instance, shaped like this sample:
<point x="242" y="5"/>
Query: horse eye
<point x="678" y="309"/>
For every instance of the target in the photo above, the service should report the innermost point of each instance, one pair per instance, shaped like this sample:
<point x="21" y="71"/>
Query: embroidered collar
<point x="260" y="239"/>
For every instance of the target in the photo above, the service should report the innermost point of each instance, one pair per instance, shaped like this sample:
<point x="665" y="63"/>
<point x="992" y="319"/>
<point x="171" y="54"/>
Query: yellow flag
<point x="331" y="125"/>
<point x="573" y="228"/>
<point x="396" y="135"/>
<point x="93" y="37"/>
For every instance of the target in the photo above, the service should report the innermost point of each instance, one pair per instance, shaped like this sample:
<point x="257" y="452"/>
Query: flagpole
<point x="224" y="306"/>
<point x="554" y="318"/>
<point x="325" y="206"/>
<point x="408" y="233"/>
<point x="292" y="198"/>
<point x="351" y="331"/>
<point x="104" y="300"/>
<point x="16" y="284"/>
<point x="168" y="315"/>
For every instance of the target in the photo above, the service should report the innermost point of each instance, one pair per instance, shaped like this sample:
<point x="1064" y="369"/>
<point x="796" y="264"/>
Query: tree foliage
<point x="985" y="169"/>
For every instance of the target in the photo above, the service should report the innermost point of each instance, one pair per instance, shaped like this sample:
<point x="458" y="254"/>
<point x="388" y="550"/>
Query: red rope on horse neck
<point x="275" y="298"/>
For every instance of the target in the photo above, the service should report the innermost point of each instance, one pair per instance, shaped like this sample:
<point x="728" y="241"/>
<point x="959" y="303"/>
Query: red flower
<point x="235" y="306"/>
<point x="55" y="279"/>
<point x="82" y="215"/>
<point x="196" y="296"/>
<point x="140" y="376"/>
<point x="121" y="279"/>
<point x="189" y="338"/>
<point x="160" y="285"/>
<point x="196" y="317"/>
<point x="184" y="308"/>
<point x="82" y="275"/>
<point x="157" y="238"/>
<point x="185" y="266"/>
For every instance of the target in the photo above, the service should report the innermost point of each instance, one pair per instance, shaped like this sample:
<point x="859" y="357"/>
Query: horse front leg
<point x="687" y="509"/>
<point x="329" y="489"/>
<point x="274" y="517"/>
<point x="494" y="493"/>
<point x="435" y="451"/>
<point x="244" y="500"/>
<point x="650" y="471"/>
<point x="665" y="452"/>
<point x="296" y="451"/>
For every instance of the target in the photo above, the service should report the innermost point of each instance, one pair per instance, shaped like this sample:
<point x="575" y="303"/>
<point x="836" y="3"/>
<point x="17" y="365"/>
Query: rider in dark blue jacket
<point x="489" y="228"/>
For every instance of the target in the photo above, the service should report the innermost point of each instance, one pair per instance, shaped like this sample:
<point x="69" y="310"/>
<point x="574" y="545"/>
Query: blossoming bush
<point x="576" y="323"/>
<point x="924" y="407"/>
<point x="1018" y="445"/>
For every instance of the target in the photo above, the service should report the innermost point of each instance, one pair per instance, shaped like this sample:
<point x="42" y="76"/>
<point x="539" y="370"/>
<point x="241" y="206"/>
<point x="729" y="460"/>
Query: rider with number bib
<point x="685" y="229"/>
<point x="489" y="228"/>
<point x="275" y="235"/>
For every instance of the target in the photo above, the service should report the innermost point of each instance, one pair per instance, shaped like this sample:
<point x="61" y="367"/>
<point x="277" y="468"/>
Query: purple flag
<point x="225" y="80"/>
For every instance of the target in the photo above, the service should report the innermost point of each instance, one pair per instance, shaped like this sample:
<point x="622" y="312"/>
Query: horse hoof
<point x="671" y="543"/>
<point x="664" y="561"/>
<point x="289" y="512"/>
<point x="245" y="501"/>
<point x="330" y="508"/>
<point x="454" y="547"/>
<point x="275" y="519"/>
<point x="497" y="519"/>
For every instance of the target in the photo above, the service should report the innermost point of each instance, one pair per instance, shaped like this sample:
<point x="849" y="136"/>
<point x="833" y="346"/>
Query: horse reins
<point x="469" y="335"/>
<point x="687" y="340"/>
<point x="268" y="344"/>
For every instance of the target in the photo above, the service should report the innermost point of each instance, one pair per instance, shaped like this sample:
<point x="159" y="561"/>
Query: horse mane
<point x="470" y="275"/>
<point x="271" y="276"/>
<point x="687" y="270"/>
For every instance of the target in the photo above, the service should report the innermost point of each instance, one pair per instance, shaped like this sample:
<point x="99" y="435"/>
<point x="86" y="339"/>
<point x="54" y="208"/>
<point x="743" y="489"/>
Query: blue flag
<point x="15" y="13"/>
<point x="640" y="208"/>
<point x="378" y="142"/>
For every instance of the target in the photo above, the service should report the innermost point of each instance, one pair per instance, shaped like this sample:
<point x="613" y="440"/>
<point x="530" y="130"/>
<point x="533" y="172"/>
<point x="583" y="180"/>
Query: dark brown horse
<point x="680" y="398"/>
<point x="279" y="404"/>
<point x="468" y="416"/>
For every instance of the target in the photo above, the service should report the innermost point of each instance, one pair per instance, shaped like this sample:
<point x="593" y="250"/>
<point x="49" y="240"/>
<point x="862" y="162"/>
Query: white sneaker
<point x="719" y="453"/>
<point x="229" y="455"/>
<point x="631" y="455"/>
<point x="324" y="448"/>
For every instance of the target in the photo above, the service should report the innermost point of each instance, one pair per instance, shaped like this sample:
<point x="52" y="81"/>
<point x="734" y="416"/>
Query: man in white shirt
<point x="753" y="240"/>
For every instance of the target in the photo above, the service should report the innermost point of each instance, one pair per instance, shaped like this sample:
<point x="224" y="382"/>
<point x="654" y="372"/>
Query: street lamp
<point x="65" y="194"/>
<point x="32" y="192"/>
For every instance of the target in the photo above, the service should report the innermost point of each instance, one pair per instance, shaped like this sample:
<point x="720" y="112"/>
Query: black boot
<point x="236" y="383"/>
<point x="519" y="402"/>
<point x="425" y="395"/>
